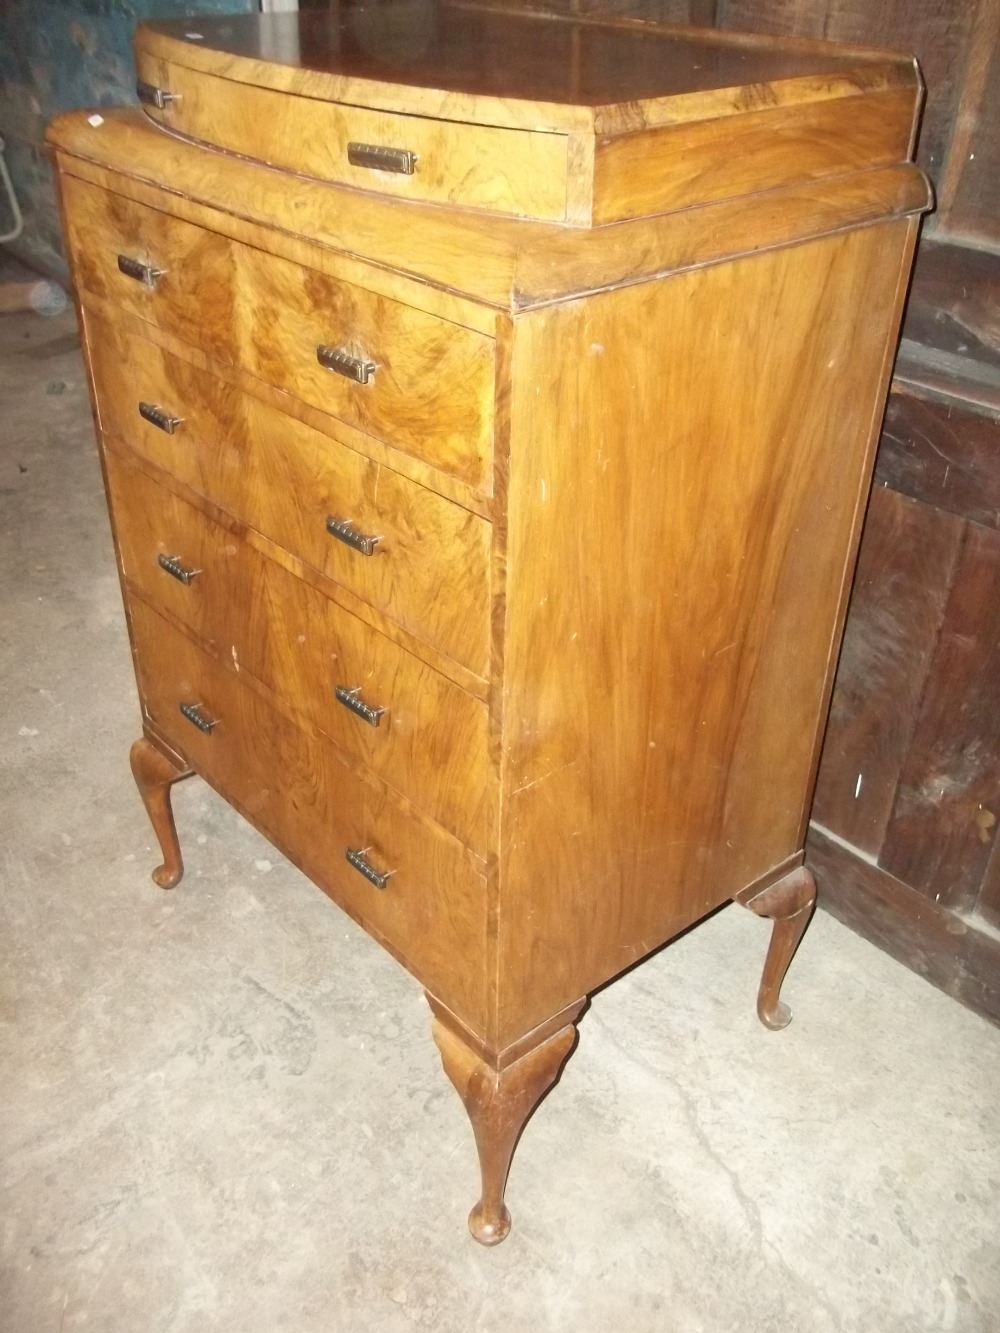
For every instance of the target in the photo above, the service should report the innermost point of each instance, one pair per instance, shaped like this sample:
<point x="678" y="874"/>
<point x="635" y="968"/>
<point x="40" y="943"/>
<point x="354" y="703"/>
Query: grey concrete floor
<point x="222" y="1109"/>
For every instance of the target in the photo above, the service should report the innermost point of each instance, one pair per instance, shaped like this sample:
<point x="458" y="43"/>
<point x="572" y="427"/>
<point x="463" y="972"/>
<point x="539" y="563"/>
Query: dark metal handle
<point x="172" y="564"/>
<point x="157" y="416"/>
<point x="376" y="158"/>
<point x="352" y="699"/>
<point x="153" y="96"/>
<point x="373" y="876"/>
<point x="148" y="274"/>
<point x="194" y="715"/>
<point x="354" y="368"/>
<point x="341" y="529"/>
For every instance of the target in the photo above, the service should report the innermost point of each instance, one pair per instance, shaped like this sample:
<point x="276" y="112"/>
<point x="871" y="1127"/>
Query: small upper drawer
<point x="421" y="383"/>
<point x="424" y="735"/>
<point x="515" y="171"/>
<point x="429" y="568"/>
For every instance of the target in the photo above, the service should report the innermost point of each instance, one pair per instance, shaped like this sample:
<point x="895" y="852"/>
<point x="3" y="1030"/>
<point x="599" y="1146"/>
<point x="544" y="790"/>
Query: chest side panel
<point x="687" y="463"/>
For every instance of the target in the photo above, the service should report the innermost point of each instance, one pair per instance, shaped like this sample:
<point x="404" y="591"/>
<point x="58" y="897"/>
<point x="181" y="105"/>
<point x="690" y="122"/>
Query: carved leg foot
<point x="154" y="775"/>
<point x="499" y="1102"/>
<point x="789" y="903"/>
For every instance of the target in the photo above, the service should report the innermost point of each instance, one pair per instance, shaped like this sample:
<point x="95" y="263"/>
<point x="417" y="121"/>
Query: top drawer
<point x="520" y="172"/>
<point x="421" y="383"/>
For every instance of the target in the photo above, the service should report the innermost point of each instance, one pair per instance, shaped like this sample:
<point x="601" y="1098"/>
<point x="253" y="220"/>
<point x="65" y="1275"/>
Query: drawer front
<point x="429" y="570"/>
<point x="179" y="277"/>
<point x="422" y="734"/>
<point x="428" y="386"/>
<point x="298" y="791"/>
<point x="520" y="172"/>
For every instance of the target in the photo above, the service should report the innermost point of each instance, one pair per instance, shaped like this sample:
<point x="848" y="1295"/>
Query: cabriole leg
<point x="789" y="903"/>
<point x="154" y="775"/>
<point x="499" y="1102"/>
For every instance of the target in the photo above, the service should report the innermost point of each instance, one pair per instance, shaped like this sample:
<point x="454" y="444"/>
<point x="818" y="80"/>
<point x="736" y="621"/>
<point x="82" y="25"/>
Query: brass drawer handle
<point x="343" y="531"/>
<point x="357" y="859"/>
<point x="376" y="158"/>
<point x="195" y="716"/>
<point x="352" y="699"/>
<point x="160" y="418"/>
<point x="149" y="94"/>
<point x="148" y="274"/>
<point x="172" y="564"/>
<point x="354" y="368"/>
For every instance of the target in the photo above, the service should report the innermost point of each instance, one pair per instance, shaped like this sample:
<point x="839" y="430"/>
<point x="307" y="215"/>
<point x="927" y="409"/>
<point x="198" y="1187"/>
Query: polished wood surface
<point x="285" y="478"/>
<point x="519" y="264"/>
<point x="433" y="387"/>
<point x="616" y="470"/>
<point x="481" y="61"/>
<point x="314" y="804"/>
<point x="255" y="617"/>
<point x="642" y="806"/>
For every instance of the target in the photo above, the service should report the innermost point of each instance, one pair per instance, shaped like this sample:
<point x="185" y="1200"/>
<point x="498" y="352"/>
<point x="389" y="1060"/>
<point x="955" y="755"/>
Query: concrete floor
<point x="222" y="1109"/>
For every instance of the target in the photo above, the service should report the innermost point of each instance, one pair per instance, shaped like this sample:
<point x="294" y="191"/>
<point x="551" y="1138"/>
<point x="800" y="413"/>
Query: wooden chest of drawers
<point x="487" y="404"/>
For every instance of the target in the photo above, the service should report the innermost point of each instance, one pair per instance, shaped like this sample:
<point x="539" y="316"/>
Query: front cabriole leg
<point x="154" y="775"/>
<point x="790" y="904"/>
<point x="499" y="1097"/>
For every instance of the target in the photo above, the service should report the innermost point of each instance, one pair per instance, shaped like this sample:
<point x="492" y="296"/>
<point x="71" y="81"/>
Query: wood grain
<point x="430" y="572"/>
<point x="514" y="171"/>
<point x="905" y="570"/>
<point x="944" y="818"/>
<point x="650" y="776"/>
<point x="256" y="617"/>
<point x="433" y="387"/>
<point x="295" y="788"/>
<point x="518" y="264"/>
<point x="949" y="952"/>
<point x="943" y="454"/>
<point x="657" y="171"/>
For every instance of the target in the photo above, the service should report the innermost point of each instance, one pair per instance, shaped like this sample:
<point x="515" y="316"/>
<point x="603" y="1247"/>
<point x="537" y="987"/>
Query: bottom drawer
<point x="299" y="792"/>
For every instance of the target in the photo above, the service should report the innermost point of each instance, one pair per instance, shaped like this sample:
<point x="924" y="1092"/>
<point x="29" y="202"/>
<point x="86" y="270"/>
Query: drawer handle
<point x="354" y="368"/>
<point x="172" y="564"/>
<point x="157" y="416"/>
<point x="149" y="94"/>
<point x="352" y="699"/>
<point x="357" y="859"/>
<point x="148" y="274"/>
<point x="343" y="531"/>
<point x="376" y="158"/>
<point x="195" y="716"/>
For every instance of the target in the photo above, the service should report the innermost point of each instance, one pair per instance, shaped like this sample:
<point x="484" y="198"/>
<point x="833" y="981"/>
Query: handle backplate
<point x="342" y="529"/>
<point x="172" y="565"/>
<point x="352" y="699"/>
<point x="197" y="718"/>
<point x="148" y="274"/>
<point x="339" y="359"/>
<point x="358" y="860"/>
<point x="159" y="417"/>
<point x="378" y="158"/>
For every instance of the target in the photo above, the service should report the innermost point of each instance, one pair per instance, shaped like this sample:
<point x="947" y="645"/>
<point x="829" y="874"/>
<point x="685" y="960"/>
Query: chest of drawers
<point x="487" y="403"/>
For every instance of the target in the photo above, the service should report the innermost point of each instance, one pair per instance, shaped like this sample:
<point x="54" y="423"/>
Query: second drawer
<point x="421" y="733"/>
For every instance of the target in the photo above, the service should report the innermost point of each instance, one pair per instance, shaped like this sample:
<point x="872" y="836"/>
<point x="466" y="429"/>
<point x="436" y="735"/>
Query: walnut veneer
<point x="487" y="426"/>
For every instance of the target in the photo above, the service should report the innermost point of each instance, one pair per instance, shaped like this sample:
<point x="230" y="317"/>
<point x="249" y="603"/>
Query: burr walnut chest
<point x="487" y="402"/>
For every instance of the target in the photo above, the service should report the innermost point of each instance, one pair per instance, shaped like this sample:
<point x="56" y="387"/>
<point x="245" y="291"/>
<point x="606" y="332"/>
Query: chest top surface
<point x="526" y="114"/>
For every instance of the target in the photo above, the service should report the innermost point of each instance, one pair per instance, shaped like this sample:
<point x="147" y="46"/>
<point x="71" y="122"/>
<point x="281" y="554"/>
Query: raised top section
<point x="552" y="62"/>
<point x="570" y="120"/>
